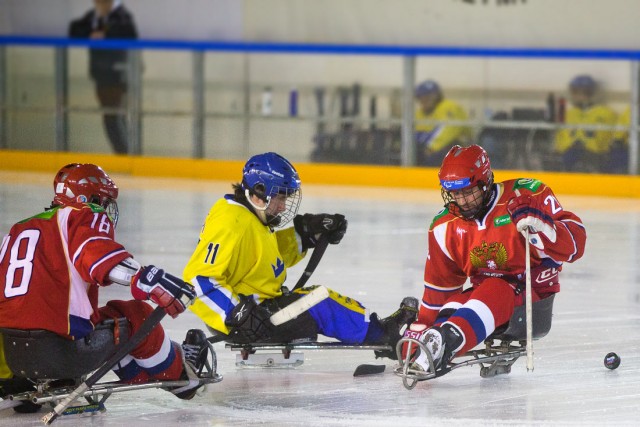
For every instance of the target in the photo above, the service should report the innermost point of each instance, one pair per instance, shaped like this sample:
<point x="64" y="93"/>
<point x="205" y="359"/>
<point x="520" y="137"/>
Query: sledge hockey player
<point x="478" y="236"/>
<point x="53" y="264"/>
<point x="240" y="263"/>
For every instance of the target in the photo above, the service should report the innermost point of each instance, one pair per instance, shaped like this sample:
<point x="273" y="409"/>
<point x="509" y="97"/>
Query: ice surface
<point x="380" y="261"/>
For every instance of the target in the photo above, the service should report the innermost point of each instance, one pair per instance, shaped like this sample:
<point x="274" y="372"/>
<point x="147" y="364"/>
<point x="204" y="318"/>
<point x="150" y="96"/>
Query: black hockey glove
<point x="249" y="322"/>
<point x="311" y="226"/>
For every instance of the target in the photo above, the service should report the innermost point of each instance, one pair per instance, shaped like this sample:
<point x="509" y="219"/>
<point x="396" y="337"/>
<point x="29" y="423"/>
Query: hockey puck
<point x="611" y="361"/>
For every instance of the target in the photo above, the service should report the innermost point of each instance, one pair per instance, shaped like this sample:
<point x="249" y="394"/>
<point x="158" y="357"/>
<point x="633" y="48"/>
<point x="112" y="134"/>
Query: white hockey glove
<point x="526" y="212"/>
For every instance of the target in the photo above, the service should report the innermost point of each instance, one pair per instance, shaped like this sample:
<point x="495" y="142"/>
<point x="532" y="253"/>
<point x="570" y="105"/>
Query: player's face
<point x="468" y="199"/>
<point x="428" y="102"/>
<point x="277" y="205"/>
<point x="580" y="97"/>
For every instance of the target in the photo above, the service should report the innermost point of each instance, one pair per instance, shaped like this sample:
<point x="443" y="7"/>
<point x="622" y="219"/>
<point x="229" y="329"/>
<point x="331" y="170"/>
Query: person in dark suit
<point x="108" y="68"/>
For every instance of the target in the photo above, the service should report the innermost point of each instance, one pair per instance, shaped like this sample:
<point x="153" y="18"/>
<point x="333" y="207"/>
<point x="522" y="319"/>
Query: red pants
<point x="477" y="312"/>
<point x="155" y="357"/>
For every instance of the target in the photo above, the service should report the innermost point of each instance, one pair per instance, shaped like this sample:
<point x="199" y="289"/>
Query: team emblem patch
<point x="493" y="256"/>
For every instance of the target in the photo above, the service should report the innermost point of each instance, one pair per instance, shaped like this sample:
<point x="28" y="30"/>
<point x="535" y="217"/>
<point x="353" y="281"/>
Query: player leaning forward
<point x="478" y="236"/>
<point x="53" y="264"/>
<point x="239" y="266"/>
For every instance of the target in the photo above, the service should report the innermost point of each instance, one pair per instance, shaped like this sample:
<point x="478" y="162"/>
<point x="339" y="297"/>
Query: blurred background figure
<point x="108" y="68"/>
<point x="584" y="149"/>
<point x="433" y="140"/>
<point x="619" y="152"/>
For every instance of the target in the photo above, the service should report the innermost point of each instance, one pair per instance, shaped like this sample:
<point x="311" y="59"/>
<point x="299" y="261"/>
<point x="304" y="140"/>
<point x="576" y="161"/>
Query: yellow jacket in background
<point x="623" y="120"/>
<point x="441" y="135"/>
<point x="595" y="141"/>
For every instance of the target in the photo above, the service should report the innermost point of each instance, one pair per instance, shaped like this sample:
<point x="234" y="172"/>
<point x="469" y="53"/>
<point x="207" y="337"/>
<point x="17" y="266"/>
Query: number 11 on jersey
<point x="212" y="251"/>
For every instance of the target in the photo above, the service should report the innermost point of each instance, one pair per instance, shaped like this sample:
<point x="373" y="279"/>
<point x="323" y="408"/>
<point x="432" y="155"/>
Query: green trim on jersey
<point x="527" y="183"/>
<point x="48" y="214"/>
<point x="439" y="215"/>
<point x="95" y="208"/>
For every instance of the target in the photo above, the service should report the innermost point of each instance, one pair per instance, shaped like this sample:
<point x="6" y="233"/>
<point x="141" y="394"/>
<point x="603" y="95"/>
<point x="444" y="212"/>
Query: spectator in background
<point x="108" y="68"/>
<point x="434" y="140"/>
<point x="619" y="152"/>
<point x="585" y="149"/>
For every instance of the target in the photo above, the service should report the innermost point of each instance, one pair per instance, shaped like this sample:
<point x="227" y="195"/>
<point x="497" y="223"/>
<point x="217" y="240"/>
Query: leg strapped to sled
<point x="494" y="359"/>
<point x="57" y="366"/>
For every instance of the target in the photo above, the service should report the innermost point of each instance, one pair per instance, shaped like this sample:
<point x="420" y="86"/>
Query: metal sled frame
<point x="494" y="359"/>
<point x="502" y="348"/>
<point x="52" y="384"/>
<point x="48" y="392"/>
<point x="284" y="356"/>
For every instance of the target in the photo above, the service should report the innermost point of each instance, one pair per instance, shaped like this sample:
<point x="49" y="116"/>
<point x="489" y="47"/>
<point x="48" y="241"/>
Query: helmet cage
<point x="481" y="201"/>
<point x="463" y="170"/>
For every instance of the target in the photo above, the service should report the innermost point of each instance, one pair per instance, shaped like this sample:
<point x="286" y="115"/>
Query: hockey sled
<point x="288" y="355"/>
<point x="56" y="366"/>
<point x="501" y="349"/>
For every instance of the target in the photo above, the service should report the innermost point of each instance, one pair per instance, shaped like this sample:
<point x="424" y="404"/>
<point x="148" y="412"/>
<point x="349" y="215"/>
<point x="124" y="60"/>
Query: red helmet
<point x="464" y="168"/>
<point x="86" y="183"/>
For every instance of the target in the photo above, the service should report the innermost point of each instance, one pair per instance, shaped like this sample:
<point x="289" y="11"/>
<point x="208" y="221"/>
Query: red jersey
<point x="50" y="268"/>
<point x="492" y="247"/>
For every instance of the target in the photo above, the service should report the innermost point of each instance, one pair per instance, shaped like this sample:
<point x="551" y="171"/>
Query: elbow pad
<point x="123" y="273"/>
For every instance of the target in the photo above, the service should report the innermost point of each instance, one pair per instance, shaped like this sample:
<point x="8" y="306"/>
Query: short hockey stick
<point x="314" y="260"/>
<point x="124" y="349"/>
<point x="528" y="302"/>
<point x="301" y="305"/>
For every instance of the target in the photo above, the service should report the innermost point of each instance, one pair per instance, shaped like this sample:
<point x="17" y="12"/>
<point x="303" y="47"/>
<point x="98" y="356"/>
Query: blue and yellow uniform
<point x="238" y="255"/>
<point x="437" y="137"/>
<point x="594" y="141"/>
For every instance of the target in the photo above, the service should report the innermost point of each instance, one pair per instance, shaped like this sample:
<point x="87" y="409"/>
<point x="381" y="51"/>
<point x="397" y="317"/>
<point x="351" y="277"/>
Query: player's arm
<point x="606" y="117"/>
<point x="214" y="263"/>
<point x="290" y="246"/>
<point x="100" y="259"/>
<point x="556" y="233"/>
<point x="447" y="133"/>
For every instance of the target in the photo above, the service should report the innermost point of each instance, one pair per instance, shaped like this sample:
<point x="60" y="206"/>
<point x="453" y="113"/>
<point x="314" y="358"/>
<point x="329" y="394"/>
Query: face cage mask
<point x="292" y="204"/>
<point x="111" y="208"/>
<point x="468" y="214"/>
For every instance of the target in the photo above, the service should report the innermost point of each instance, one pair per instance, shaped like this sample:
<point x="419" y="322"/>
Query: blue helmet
<point x="583" y="82"/>
<point x="269" y="175"/>
<point x="427" y="87"/>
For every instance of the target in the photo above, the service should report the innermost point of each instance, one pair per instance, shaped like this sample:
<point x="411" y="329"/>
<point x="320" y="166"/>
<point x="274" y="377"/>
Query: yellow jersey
<point x="441" y="134"/>
<point x="237" y="254"/>
<point x="595" y="141"/>
<point x="623" y="120"/>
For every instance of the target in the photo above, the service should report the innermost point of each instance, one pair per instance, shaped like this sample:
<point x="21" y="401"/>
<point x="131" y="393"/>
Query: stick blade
<point x="364" y="370"/>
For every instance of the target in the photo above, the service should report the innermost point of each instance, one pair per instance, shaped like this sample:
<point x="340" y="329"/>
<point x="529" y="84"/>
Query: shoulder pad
<point x="439" y="215"/>
<point x="526" y="184"/>
<point x="94" y="207"/>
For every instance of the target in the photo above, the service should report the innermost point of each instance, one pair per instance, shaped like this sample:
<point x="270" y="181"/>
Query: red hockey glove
<point x="169" y="292"/>
<point x="527" y="211"/>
